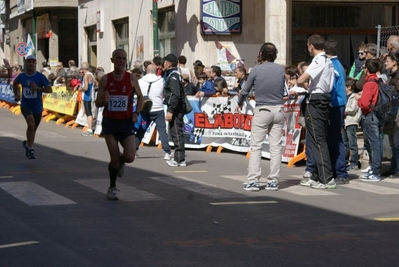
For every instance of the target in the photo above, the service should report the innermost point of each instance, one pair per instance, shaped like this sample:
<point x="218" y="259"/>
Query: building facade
<point x="89" y="30"/>
<point x="52" y="26"/>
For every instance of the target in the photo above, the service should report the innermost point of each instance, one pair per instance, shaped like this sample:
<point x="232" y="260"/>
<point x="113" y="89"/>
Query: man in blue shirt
<point x="336" y="117"/>
<point x="33" y="84"/>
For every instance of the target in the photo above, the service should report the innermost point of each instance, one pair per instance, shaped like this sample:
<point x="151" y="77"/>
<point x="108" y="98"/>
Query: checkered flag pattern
<point x="220" y="109"/>
<point x="198" y="132"/>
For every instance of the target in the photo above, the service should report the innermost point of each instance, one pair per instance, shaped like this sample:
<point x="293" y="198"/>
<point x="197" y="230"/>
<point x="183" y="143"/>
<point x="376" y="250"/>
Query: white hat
<point x="32" y="57"/>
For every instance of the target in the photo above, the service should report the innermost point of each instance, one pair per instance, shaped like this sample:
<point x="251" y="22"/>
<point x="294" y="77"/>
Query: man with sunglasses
<point x="359" y="62"/>
<point x="370" y="51"/>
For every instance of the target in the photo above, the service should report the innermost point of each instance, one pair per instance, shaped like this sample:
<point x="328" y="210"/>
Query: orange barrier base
<point x="209" y="149"/>
<point x="297" y="158"/>
<point x="219" y="150"/>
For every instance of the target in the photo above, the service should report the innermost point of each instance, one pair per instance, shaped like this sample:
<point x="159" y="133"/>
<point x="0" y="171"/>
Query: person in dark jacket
<point x="173" y="99"/>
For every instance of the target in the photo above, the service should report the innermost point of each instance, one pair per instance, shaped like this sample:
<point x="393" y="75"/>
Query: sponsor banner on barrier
<point x="213" y="122"/>
<point x="6" y="93"/>
<point x="61" y="101"/>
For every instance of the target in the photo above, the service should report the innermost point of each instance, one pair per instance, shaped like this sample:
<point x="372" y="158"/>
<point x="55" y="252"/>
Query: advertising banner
<point x="61" y="101"/>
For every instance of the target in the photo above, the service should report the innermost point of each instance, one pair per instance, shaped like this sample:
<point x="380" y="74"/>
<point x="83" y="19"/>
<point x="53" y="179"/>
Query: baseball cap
<point x="30" y="57"/>
<point x="171" y="58"/>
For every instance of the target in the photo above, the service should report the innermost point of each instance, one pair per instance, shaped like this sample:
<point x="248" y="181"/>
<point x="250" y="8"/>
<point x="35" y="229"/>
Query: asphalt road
<point x="54" y="212"/>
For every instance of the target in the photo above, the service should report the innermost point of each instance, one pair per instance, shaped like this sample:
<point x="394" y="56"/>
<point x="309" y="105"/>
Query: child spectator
<point x="359" y="62"/>
<point x="351" y="123"/>
<point x="372" y="125"/>
<point x="204" y="86"/>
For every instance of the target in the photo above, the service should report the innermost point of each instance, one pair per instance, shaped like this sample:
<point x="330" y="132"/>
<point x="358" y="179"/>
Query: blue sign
<point x="221" y="16"/>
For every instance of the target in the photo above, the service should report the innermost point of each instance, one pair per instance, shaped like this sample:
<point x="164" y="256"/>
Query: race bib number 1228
<point x="118" y="103"/>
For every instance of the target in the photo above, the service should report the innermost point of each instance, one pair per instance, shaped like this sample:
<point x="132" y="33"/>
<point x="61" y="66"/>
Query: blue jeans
<point x="159" y="118"/>
<point x="350" y="141"/>
<point x="335" y="142"/>
<point x="373" y="129"/>
<point x="394" y="142"/>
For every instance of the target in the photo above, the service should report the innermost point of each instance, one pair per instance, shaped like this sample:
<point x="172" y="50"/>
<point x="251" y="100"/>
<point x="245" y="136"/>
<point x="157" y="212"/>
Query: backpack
<point x="386" y="108"/>
<point x="383" y="106"/>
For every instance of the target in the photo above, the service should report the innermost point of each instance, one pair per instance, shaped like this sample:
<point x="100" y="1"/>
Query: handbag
<point x="187" y="106"/>
<point x="147" y="103"/>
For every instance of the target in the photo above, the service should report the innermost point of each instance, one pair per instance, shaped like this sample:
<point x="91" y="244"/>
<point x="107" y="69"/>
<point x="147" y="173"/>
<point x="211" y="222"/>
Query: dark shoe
<point x="31" y="153"/>
<point x="341" y="180"/>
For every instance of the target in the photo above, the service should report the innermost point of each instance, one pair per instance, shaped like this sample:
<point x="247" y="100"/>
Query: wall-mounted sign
<point x="100" y="21"/>
<point x="221" y="16"/>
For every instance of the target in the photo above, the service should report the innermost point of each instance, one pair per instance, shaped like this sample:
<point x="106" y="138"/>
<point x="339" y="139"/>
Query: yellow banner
<point x="61" y="101"/>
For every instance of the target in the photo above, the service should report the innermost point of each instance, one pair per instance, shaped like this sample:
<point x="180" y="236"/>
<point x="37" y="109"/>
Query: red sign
<point x="22" y="49"/>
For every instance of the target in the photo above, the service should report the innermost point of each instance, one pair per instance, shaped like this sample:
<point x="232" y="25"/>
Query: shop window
<point x="167" y="32"/>
<point x="122" y="35"/>
<point x="92" y="45"/>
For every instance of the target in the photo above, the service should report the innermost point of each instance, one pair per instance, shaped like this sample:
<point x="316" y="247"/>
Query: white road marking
<point x="10" y="134"/>
<point x="19" y="244"/>
<point x="6" y="177"/>
<point x="372" y="187"/>
<point x="127" y="193"/>
<point x="33" y="194"/>
<point x="308" y="191"/>
<point x="199" y="187"/>
<point x="243" y="202"/>
<point x="51" y="134"/>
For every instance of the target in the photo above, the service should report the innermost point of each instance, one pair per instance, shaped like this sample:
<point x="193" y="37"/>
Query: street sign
<point x="22" y="49"/>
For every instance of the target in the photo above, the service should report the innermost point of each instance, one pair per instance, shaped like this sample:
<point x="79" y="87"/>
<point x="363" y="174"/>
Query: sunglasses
<point x="361" y="53"/>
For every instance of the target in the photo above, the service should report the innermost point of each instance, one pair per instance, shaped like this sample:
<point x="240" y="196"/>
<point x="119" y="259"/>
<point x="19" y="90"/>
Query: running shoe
<point x="31" y="153"/>
<point x="307" y="174"/>
<point x="112" y="193"/>
<point x="371" y="178"/>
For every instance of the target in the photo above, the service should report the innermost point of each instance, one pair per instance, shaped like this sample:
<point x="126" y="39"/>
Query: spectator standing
<point x="372" y="125"/>
<point x="46" y="69"/>
<point x="268" y="117"/>
<point x="393" y="44"/>
<point x="182" y="60"/>
<point x="33" y="85"/>
<point x="116" y="87"/>
<point x="392" y="65"/>
<point x="241" y="75"/>
<point x="173" y="99"/>
<point x="71" y="63"/>
<point x="336" y="116"/>
<point x="359" y="62"/>
<point x="152" y="86"/>
<point x="87" y="90"/>
<point x="321" y="75"/>
<point x="351" y="123"/>
<point x="60" y="73"/>
<point x="370" y="51"/>
<point x="189" y="88"/>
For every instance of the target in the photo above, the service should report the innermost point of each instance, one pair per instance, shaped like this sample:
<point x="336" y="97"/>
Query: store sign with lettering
<point x="221" y="16"/>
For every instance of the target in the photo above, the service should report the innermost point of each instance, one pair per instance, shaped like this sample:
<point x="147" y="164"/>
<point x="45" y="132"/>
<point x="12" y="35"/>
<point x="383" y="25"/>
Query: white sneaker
<point x="366" y="170"/>
<point x="307" y="175"/>
<point x="168" y="156"/>
<point x="173" y="163"/>
<point x="112" y="193"/>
